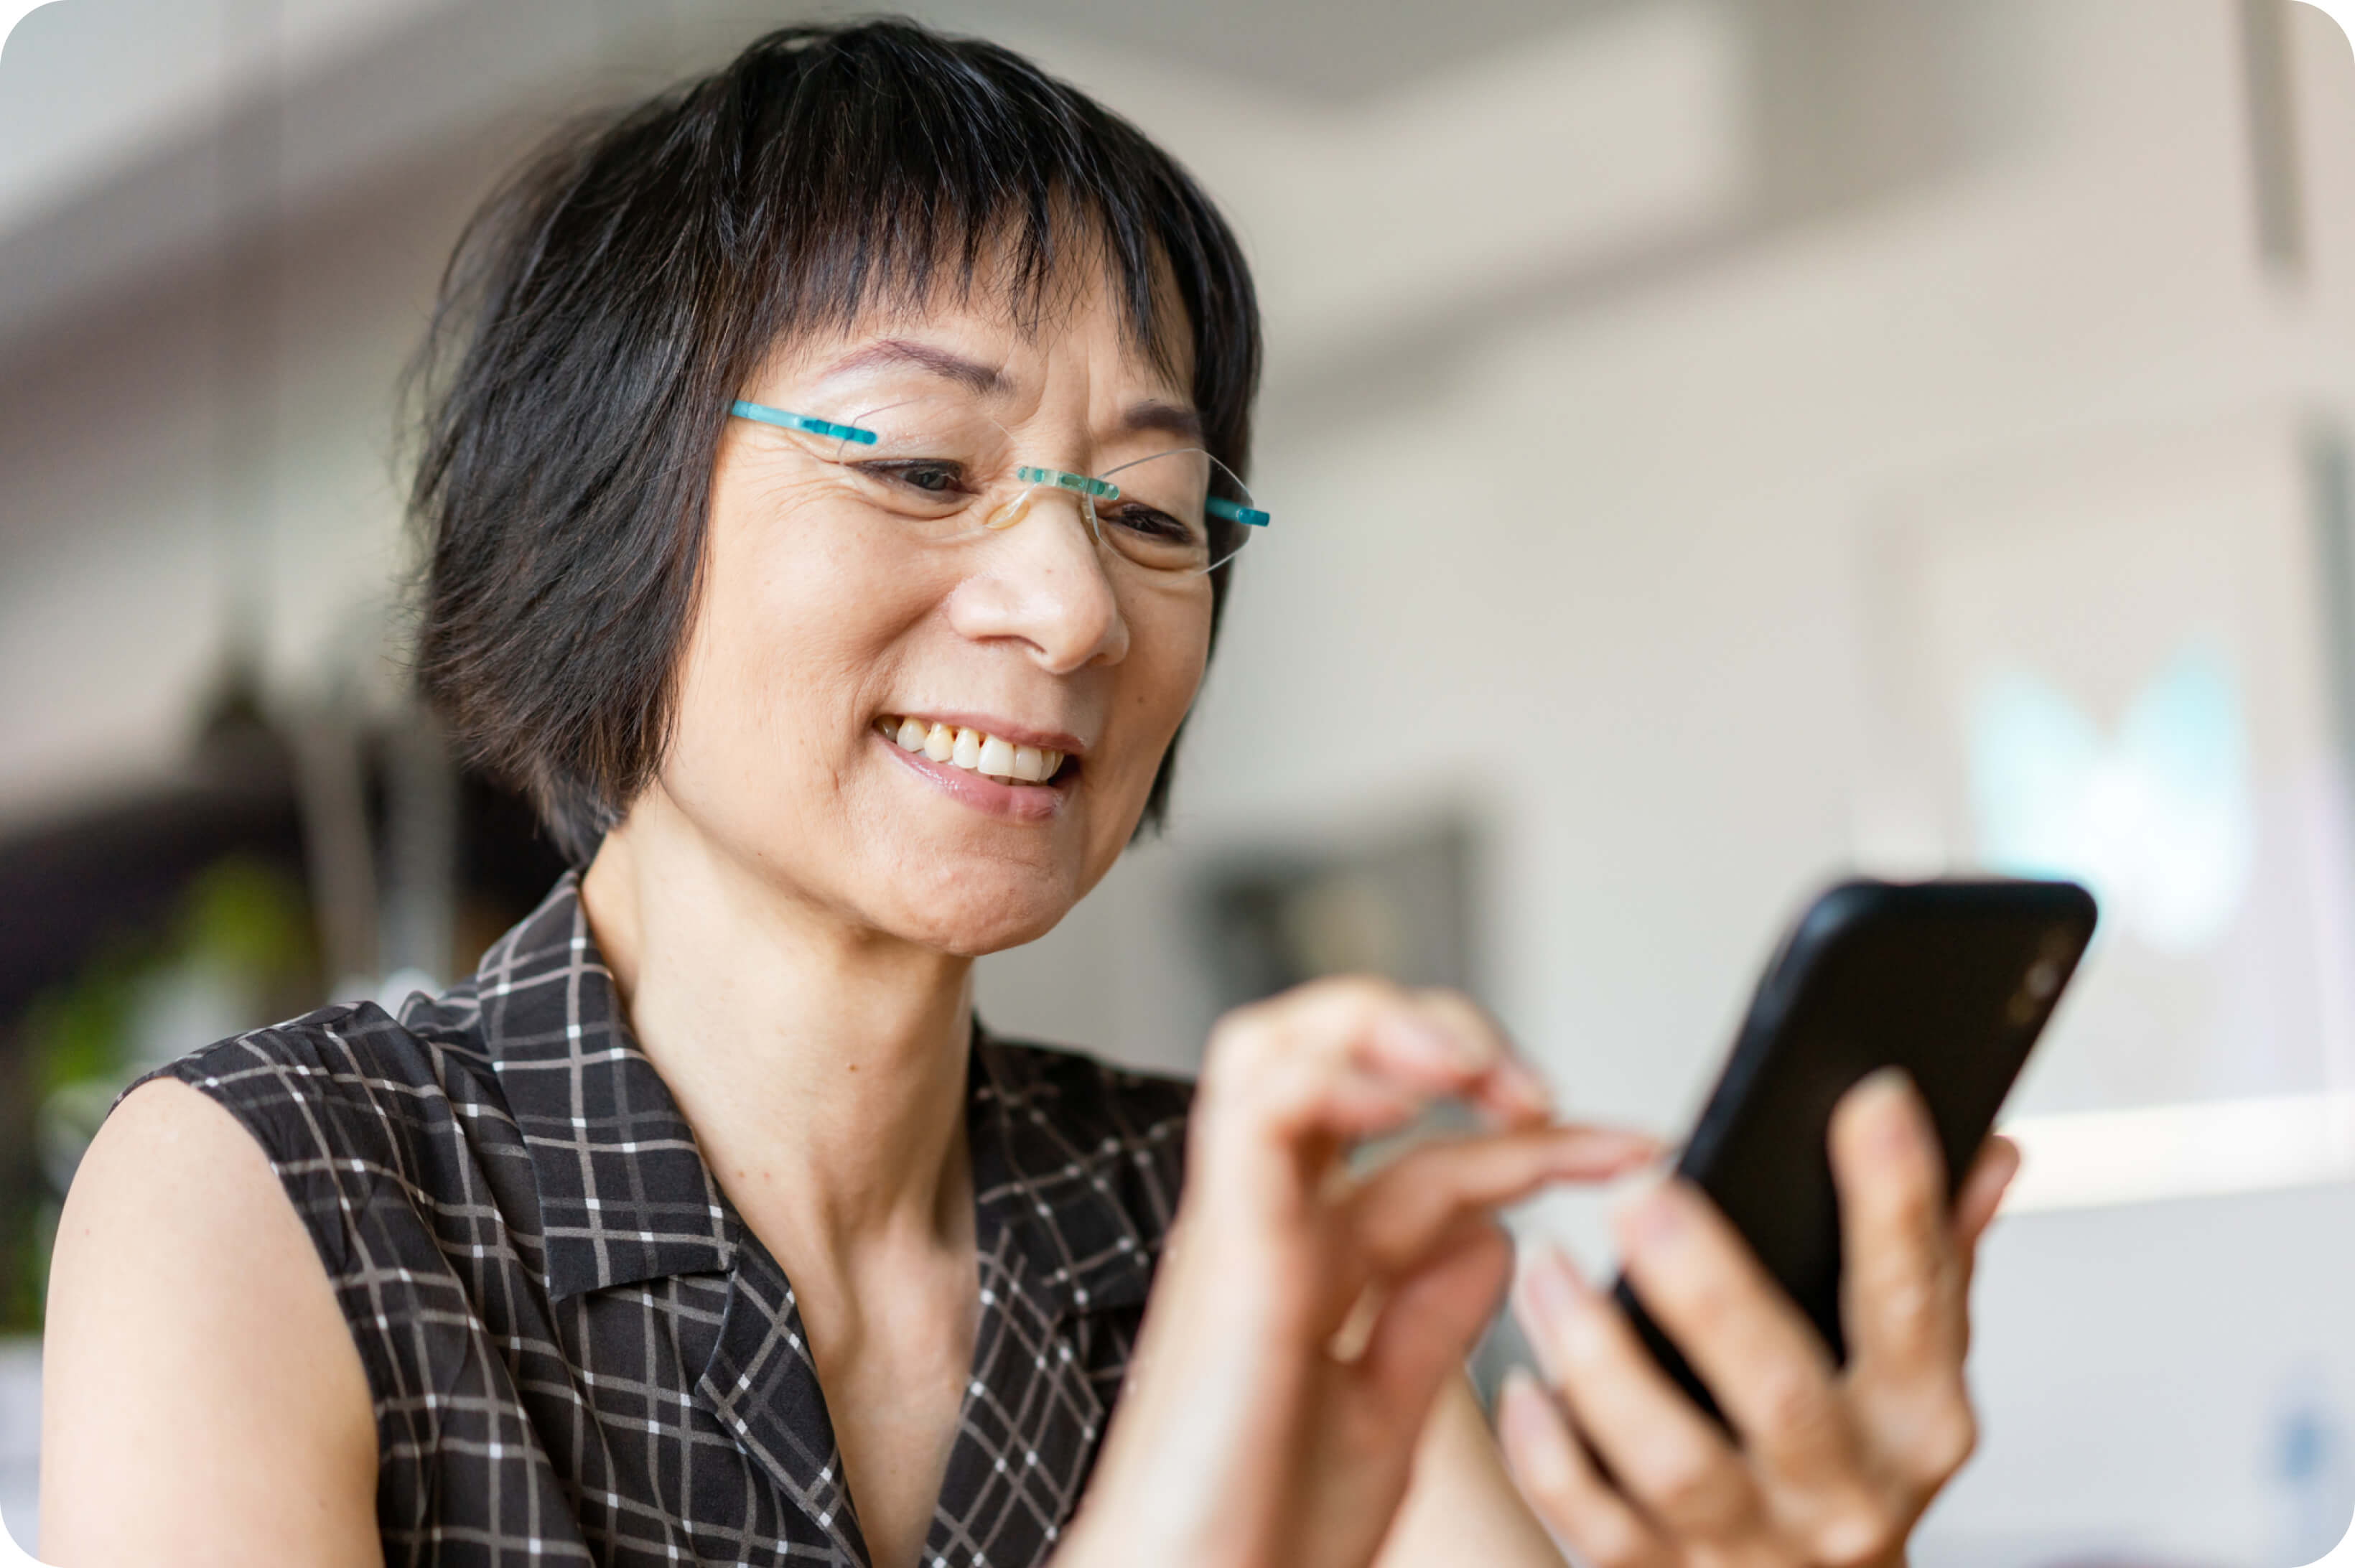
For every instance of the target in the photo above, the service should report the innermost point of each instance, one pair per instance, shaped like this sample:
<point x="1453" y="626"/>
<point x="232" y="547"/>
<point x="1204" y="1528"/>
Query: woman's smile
<point x="1004" y="770"/>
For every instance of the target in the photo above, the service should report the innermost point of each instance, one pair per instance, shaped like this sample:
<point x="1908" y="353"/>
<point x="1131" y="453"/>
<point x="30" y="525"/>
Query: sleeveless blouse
<point x="577" y="1350"/>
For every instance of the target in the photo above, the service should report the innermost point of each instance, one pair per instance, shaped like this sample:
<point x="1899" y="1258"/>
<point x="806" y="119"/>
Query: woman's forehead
<point x="985" y="342"/>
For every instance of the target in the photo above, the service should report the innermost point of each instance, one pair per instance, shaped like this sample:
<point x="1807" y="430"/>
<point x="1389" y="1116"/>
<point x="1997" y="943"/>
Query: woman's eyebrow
<point x="1171" y="418"/>
<point x="970" y="374"/>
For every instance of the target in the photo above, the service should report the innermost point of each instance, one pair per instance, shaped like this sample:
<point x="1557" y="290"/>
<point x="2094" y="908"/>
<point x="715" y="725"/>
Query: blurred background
<point x="1719" y="445"/>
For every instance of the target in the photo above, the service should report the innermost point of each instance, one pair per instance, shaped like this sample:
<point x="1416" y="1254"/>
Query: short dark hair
<point x="607" y="302"/>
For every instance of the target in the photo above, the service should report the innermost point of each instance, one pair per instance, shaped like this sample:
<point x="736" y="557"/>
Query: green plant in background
<point x="249" y="915"/>
<point x="74" y="1034"/>
<point x="236" y="952"/>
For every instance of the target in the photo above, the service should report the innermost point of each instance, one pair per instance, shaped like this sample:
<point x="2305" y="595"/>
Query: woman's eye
<point x="1148" y="522"/>
<point x="932" y="477"/>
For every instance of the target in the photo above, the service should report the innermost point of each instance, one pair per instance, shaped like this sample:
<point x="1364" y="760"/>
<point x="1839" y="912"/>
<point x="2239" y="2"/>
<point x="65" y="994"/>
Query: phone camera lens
<point x="2043" y="979"/>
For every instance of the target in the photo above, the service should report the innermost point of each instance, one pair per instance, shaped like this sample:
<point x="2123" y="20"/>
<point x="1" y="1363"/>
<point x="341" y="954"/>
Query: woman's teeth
<point x="971" y="749"/>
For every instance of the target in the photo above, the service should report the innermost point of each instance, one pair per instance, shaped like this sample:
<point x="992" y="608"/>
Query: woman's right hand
<point x="1302" y="1320"/>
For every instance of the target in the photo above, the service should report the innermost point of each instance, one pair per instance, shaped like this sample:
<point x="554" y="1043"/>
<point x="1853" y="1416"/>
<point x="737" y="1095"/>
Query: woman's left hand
<point x="1829" y="1465"/>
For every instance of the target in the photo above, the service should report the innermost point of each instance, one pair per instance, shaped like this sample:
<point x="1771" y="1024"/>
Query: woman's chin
<point x="971" y="921"/>
<point x="978" y="940"/>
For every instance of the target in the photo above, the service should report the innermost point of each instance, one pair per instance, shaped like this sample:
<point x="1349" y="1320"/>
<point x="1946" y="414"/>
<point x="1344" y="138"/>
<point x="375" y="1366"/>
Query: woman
<point x="831" y="493"/>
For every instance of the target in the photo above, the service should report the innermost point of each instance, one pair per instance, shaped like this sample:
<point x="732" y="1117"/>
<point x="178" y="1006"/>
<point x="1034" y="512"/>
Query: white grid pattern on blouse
<point x="578" y="1352"/>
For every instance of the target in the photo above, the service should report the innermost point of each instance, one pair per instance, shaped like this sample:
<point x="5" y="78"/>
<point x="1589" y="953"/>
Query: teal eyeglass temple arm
<point x="778" y="417"/>
<point x="1085" y="483"/>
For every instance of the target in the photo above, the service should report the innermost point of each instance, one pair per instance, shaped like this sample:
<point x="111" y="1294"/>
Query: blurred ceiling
<point x="1336" y="51"/>
<point x="139" y="135"/>
<point x="90" y="87"/>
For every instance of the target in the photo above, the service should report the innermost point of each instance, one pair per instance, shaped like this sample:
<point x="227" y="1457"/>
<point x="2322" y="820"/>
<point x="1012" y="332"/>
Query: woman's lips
<point x="1012" y="802"/>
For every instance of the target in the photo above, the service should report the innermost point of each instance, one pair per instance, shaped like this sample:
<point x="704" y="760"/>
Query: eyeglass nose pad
<point x="1014" y="510"/>
<point x="1011" y="513"/>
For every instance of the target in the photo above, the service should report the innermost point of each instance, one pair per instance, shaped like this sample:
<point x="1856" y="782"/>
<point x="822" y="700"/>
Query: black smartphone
<point x="1950" y="980"/>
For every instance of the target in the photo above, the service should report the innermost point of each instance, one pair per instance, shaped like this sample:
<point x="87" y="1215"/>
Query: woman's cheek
<point x="1180" y="638"/>
<point x="767" y="651"/>
<point x="1171" y="650"/>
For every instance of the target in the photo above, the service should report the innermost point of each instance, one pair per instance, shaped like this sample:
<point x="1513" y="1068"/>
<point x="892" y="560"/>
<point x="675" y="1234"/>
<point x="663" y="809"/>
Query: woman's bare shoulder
<point x="201" y="1396"/>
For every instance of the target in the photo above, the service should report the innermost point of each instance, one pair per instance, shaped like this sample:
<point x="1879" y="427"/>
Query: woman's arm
<point x="1462" y="1506"/>
<point x="201" y="1399"/>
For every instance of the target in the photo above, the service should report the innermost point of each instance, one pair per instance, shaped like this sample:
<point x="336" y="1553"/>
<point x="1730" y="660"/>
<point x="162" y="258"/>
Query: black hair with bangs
<point x="607" y="302"/>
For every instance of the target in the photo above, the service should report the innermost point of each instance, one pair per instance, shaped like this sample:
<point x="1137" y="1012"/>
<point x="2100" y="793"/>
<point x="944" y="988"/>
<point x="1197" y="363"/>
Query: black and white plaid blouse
<point x="578" y="1353"/>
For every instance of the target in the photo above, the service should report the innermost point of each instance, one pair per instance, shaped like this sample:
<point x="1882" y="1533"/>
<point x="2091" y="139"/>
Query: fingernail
<point x="1884" y="1086"/>
<point x="2009" y="1161"/>
<point x="1472" y="1054"/>
<point x="1585" y="1148"/>
<point x="1653" y="1219"/>
<point x="1436" y="1046"/>
<point x="1881" y="1093"/>
<point x="1521" y="1084"/>
<point x="1555" y="1289"/>
<point x="1880" y="1083"/>
<point x="1521" y="1425"/>
<point x="1638" y="1146"/>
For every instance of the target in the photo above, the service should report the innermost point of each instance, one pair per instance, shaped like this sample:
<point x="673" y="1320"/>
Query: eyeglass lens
<point x="950" y="471"/>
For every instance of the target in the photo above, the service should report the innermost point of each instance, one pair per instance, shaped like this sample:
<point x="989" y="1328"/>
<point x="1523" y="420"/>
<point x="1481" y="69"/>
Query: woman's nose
<point x="1041" y="579"/>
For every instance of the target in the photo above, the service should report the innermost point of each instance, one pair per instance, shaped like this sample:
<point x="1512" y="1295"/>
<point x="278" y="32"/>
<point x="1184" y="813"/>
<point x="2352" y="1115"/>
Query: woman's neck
<point x="822" y="1068"/>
